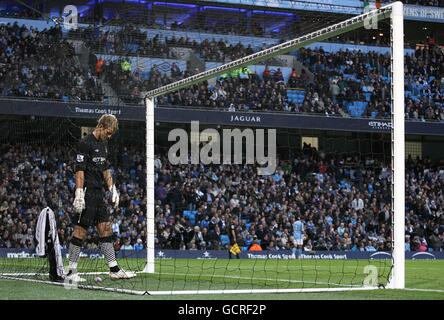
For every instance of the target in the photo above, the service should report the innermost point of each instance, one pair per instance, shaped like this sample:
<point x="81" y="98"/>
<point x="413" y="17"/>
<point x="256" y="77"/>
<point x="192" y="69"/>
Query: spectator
<point x="422" y="246"/>
<point x="255" y="246"/>
<point x="139" y="245"/>
<point x="99" y="66"/>
<point x="127" y="245"/>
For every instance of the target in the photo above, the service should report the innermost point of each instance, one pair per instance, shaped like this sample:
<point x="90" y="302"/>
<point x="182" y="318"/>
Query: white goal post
<point x="394" y="12"/>
<point x="397" y="280"/>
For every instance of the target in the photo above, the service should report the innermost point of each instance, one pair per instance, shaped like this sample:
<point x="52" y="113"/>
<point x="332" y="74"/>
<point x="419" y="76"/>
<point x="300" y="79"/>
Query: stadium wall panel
<point x="222" y="254"/>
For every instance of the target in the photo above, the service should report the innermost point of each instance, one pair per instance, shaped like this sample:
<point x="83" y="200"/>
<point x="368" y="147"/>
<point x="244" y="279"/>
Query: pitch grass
<point x="183" y="274"/>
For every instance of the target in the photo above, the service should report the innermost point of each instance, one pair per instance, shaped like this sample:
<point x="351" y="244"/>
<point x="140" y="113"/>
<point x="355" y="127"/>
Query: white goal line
<point x="189" y="292"/>
<point x="194" y="275"/>
<point x="207" y="292"/>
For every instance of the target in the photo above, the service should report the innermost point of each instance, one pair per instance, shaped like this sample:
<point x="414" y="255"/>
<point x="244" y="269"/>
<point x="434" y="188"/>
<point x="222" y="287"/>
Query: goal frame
<point x="394" y="12"/>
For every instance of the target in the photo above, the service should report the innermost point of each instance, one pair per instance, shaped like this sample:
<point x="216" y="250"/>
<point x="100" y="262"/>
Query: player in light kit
<point x="92" y="171"/>
<point x="298" y="234"/>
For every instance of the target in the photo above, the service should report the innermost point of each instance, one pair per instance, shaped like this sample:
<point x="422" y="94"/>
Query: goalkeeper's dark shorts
<point x="95" y="209"/>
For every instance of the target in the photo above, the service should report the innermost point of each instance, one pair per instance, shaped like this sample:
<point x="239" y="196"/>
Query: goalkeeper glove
<point x="114" y="195"/>
<point x="79" y="200"/>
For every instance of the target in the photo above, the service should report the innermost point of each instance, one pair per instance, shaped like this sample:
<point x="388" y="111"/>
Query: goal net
<point x="213" y="201"/>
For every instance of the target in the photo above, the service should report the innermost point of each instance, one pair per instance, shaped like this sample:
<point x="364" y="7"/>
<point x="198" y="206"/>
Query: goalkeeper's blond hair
<point x="108" y="121"/>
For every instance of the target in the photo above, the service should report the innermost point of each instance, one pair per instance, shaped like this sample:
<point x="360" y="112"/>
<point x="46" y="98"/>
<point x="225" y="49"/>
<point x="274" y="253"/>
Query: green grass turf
<point x="183" y="274"/>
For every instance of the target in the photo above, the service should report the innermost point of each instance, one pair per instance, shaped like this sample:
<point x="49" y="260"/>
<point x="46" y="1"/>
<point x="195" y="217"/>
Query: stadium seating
<point x="296" y="96"/>
<point x="175" y="221"/>
<point x="423" y="91"/>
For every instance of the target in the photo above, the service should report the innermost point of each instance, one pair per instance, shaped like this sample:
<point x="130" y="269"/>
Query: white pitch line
<point x="189" y="292"/>
<point x="76" y="286"/>
<point x="260" y="279"/>
<point x="424" y="290"/>
<point x="16" y="275"/>
<point x="258" y="291"/>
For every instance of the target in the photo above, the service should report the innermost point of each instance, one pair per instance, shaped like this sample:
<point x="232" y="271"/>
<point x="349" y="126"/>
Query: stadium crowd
<point x="342" y="202"/>
<point x="349" y="76"/>
<point x="42" y="65"/>
<point x="218" y="23"/>
<point x="127" y="41"/>
<point x="341" y="78"/>
<point x="132" y="41"/>
<point x="246" y="91"/>
<point x="130" y="85"/>
<point x="212" y="50"/>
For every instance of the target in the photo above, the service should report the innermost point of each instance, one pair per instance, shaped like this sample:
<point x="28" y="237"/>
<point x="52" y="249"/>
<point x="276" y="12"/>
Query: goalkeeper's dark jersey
<point x="92" y="158"/>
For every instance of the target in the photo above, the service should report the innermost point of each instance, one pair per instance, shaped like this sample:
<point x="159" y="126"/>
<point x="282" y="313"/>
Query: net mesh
<point x="116" y="61"/>
<point x="283" y="266"/>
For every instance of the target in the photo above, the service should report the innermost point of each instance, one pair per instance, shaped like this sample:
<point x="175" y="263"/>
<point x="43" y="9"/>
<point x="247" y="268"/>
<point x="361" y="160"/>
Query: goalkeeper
<point x="234" y="247"/>
<point x="92" y="171"/>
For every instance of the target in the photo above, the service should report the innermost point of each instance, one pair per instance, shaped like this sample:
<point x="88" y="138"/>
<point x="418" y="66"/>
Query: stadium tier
<point x="343" y="201"/>
<point x="329" y="80"/>
<point x="336" y="83"/>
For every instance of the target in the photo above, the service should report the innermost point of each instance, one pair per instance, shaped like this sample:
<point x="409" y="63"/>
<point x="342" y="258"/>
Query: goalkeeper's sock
<point x="74" y="253"/>
<point x="107" y="249"/>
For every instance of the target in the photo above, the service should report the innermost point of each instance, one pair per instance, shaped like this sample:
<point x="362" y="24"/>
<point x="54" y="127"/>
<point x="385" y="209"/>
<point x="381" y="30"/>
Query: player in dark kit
<point x="234" y="247"/>
<point x="92" y="171"/>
